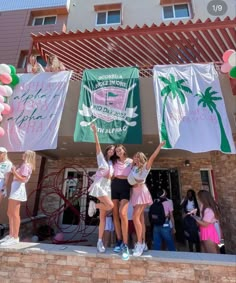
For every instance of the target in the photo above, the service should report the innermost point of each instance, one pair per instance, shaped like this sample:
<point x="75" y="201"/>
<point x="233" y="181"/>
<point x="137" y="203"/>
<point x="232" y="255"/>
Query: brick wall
<point x="84" y="266"/>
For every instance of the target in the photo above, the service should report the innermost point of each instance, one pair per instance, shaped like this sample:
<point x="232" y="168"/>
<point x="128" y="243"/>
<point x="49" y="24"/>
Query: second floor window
<point x="41" y="21"/>
<point x="109" y="17"/>
<point x="180" y="11"/>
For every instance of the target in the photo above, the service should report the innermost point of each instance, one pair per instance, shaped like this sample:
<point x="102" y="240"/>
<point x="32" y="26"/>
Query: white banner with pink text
<point x="37" y="104"/>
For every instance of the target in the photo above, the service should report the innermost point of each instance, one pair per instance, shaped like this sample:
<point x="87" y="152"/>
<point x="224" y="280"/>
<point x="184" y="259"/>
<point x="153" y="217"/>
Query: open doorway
<point x="168" y="179"/>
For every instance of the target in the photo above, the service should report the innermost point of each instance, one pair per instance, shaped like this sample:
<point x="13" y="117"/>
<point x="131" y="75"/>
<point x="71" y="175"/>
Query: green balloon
<point x="232" y="73"/>
<point x="15" y="80"/>
<point x="13" y="69"/>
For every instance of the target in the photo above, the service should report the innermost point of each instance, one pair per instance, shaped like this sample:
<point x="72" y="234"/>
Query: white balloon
<point x="1" y="118"/>
<point x="232" y="59"/>
<point x="9" y="90"/>
<point x="1" y="107"/>
<point x="4" y="68"/>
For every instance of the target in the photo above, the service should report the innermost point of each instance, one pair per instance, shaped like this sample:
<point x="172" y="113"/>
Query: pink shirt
<point x="104" y="167"/>
<point x="123" y="168"/>
<point x="24" y="170"/>
<point x="168" y="207"/>
<point x="209" y="216"/>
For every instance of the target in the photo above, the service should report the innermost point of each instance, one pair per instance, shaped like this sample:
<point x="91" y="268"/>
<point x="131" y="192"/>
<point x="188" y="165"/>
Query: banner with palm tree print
<point x="190" y="108"/>
<point x="109" y="98"/>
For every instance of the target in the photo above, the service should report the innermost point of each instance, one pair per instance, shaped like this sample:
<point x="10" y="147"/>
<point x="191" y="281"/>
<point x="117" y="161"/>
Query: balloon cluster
<point x="229" y="65"/>
<point x="8" y="80"/>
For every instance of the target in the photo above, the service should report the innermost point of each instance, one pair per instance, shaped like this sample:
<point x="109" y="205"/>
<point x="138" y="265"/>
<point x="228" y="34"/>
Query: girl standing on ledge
<point x="141" y="197"/>
<point x="101" y="187"/>
<point x="21" y="176"/>
<point x="120" y="192"/>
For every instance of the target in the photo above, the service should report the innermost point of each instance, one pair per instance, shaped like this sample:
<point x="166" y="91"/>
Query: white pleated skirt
<point x="18" y="191"/>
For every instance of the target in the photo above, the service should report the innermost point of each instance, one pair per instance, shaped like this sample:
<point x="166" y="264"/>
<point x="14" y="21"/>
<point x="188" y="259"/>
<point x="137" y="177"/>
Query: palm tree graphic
<point x="177" y="89"/>
<point x="207" y="99"/>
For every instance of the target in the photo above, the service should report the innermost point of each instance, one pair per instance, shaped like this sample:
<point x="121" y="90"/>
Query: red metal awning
<point x="191" y="42"/>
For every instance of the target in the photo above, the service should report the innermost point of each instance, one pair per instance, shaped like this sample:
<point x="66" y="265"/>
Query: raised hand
<point x="93" y="127"/>
<point x="162" y="143"/>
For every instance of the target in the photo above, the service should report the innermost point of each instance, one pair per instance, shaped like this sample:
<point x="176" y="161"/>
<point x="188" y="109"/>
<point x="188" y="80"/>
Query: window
<point x="180" y="11"/>
<point x="41" y="21"/>
<point x="207" y="181"/>
<point x="109" y="17"/>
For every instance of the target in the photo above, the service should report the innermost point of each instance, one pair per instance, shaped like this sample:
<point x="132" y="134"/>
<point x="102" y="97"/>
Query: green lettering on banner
<point x="109" y="98"/>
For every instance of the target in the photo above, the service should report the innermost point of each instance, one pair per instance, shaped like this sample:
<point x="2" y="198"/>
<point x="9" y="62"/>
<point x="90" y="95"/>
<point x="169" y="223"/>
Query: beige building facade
<point x="83" y="14"/>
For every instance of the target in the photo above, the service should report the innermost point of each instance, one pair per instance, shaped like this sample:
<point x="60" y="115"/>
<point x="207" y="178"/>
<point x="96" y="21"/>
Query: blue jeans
<point x="160" y="234"/>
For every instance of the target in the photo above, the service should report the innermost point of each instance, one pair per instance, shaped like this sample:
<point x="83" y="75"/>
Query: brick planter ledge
<point x="45" y="263"/>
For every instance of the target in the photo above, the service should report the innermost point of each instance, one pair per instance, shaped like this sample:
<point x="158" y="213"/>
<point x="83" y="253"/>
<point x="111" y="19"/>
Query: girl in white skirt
<point x="140" y="196"/>
<point x="21" y="176"/>
<point x="5" y="170"/>
<point x="101" y="187"/>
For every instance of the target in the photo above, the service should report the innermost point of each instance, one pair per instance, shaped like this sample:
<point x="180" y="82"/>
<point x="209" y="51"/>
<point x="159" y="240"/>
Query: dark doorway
<point x="168" y="179"/>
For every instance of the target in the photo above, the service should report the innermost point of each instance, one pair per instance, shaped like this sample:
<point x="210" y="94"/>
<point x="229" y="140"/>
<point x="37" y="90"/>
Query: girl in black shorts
<point x="120" y="194"/>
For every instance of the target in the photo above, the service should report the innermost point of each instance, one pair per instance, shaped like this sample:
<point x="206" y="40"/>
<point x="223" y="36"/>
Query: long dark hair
<point x="208" y="202"/>
<point x="115" y="157"/>
<point x="106" y="151"/>
<point x="184" y="205"/>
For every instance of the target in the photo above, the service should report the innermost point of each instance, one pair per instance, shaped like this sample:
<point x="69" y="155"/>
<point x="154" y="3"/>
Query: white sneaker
<point x="145" y="247"/>
<point x="138" y="250"/>
<point x="11" y="241"/>
<point x="6" y="238"/>
<point x="100" y="247"/>
<point x="91" y="208"/>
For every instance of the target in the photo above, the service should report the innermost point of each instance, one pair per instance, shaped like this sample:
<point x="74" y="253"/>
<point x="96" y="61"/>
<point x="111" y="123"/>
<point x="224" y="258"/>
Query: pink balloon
<point x="225" y="67"/>
<point x="5" y="78"/>
<point x="1" y="118"/>
<point x="1" y="99"/>
<point x="7" y="109"/>
<point x="3" y="90"/>
<point x="227" y="54"/>
<point x="2" y="132"/>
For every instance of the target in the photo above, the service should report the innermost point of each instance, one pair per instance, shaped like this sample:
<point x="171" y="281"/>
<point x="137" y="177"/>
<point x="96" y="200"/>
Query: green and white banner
<point x="190" y="108"/>
<point x="109" y="98"/>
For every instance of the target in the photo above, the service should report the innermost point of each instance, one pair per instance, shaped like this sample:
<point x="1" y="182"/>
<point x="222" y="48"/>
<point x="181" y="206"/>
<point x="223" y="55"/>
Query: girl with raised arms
<point x="140" y="196"/>
<point x="101" y="187"/>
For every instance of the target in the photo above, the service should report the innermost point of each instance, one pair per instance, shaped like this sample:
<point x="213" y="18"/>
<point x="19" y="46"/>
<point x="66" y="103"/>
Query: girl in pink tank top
<point x="209" y="217"/>
<point x="18" y="194"/>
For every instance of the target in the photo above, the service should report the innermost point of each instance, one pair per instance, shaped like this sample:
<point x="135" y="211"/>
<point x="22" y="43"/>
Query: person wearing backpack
<point x="160" y="215"/>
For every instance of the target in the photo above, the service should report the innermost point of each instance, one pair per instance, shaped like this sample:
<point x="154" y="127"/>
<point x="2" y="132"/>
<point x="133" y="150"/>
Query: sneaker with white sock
<point x="11" y="241"/>
<point x="6" y="238"/>
<point x="91" y="208"/>
<point x="100" y="247"/>
<point x="138" y="250"/>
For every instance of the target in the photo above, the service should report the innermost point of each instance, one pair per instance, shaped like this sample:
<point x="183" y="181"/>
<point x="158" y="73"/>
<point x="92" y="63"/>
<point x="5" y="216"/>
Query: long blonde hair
<point x="30" y="157"/>
<point x="142" y="159"/>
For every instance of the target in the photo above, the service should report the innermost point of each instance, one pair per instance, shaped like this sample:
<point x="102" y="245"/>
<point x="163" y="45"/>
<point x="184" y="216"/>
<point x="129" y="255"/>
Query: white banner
<point x="190" y="108"/>
<point x="37" y="104"/>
